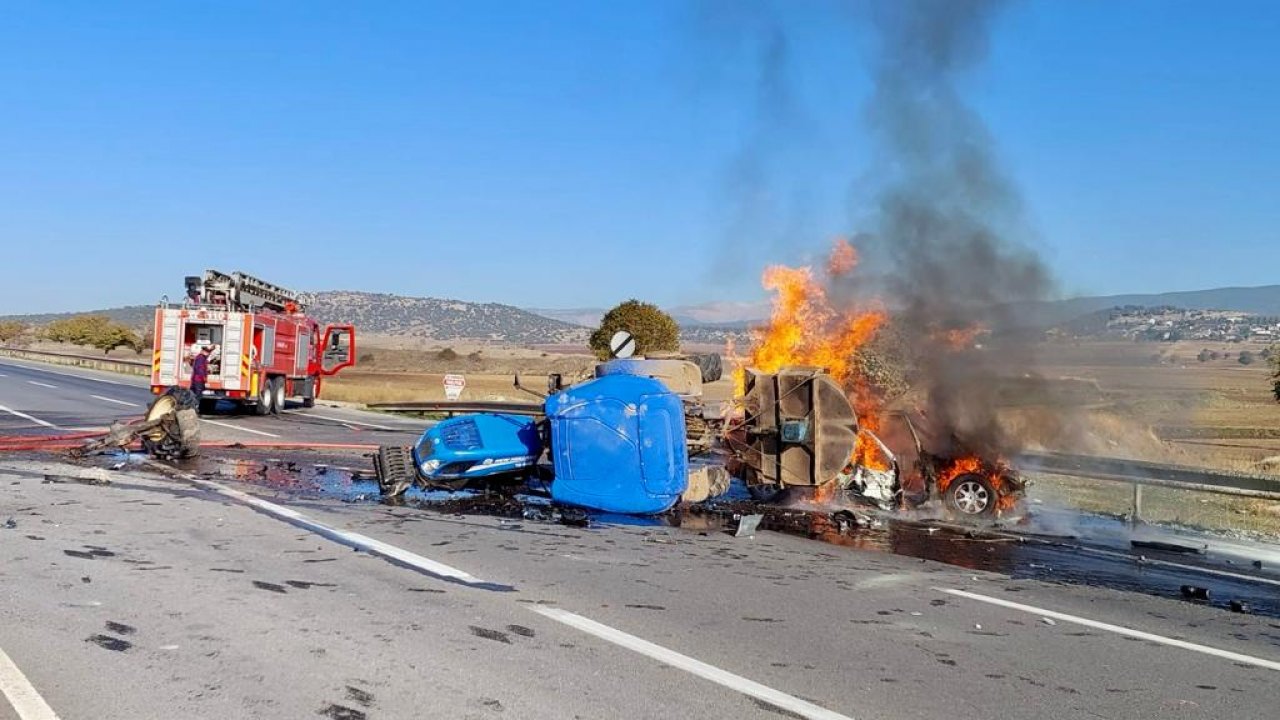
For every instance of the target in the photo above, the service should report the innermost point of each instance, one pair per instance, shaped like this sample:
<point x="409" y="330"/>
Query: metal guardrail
<point x="1139" y="474"/>
<point x="453" y="407"/>
<point x="127" y="367"/>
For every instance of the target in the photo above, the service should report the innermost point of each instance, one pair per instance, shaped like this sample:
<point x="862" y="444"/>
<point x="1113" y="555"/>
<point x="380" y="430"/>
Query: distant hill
<point x="1264" y="300"/>
<point x="441" y="319"/>
<point x="381" y="314"/>
<point x="135" y="316"/>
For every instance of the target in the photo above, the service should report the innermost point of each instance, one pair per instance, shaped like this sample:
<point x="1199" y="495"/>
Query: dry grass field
<point x="1156" y="402"/>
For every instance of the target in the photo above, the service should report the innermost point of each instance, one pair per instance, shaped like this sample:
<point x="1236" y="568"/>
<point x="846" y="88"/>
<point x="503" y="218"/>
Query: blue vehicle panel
<point x="476" y="446"/>
<point x="618" y="445"/>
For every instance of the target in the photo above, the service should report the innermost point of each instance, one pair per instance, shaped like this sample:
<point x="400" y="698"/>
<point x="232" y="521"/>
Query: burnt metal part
<point x="800" y="428"/>
<point x="394" y="467"/>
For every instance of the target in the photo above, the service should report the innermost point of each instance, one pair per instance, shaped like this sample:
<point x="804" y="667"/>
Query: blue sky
<point x="563" y="154"/>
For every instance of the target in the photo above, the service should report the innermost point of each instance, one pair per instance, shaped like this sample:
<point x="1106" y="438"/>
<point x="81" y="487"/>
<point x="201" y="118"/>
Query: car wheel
<point x="971" y="495"/>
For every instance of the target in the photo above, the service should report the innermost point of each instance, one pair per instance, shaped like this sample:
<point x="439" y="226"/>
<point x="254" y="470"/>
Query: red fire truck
<point x="265" y="348"/>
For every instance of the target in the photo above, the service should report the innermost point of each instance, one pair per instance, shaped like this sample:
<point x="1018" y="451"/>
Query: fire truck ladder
<point x="245" y="292"/>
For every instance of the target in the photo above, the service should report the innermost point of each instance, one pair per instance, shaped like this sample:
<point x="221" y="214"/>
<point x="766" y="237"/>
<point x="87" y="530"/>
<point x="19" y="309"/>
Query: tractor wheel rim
<point x="972" y="497"/>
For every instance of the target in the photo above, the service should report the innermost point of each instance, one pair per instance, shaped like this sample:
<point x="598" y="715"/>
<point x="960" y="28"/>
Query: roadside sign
<point x="622" y="345"/>
<point x="453" y="385"/>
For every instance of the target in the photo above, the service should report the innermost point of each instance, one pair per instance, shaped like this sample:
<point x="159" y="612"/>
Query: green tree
<point x="11" y="330"/>
<point x="1246" y="358"/>
<point x="113" y="335"/>
<point x="653" y="329"/>
<point x="78" y="330"/>
<point x="1274" y="361"/>
<point x="97" y="331"/>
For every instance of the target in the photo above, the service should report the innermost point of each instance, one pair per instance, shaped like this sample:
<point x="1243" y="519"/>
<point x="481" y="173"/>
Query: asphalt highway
<point x="187" y="594"/>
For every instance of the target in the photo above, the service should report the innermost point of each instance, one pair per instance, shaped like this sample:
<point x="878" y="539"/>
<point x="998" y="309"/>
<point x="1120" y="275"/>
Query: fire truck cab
<point x="264" y="348"/>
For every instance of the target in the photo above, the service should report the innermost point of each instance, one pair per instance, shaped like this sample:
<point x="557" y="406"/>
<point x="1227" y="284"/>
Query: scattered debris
<point x="747" y="525"/>
<point x="488" y="634"/>
<point x="110" y="643"/>
<point x="1239" y="606"/>
<point x="1169" y="547"/>
<point x="1191" y="592"/>
<point x="270" y="587"/>
<point x="121" y="628"/>
<point x="1048" y="621"/>
<point x="10" y="524"/>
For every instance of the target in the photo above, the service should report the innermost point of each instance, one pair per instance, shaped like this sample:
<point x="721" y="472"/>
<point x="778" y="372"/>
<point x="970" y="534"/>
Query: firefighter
<point x="200" y="371"/>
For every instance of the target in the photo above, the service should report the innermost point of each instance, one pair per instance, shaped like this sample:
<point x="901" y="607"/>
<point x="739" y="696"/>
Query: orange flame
<point x="805" y="329"/>
<point x="958" y="339"/>
<point x="843" y="258"/>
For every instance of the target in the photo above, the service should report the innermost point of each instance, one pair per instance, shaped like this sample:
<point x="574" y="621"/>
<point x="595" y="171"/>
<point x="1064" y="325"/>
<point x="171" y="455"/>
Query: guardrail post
<point x="1135" y="514"/>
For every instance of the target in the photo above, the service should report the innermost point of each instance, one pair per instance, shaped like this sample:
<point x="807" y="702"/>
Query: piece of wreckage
<point x="798" y="432"/>
<point x="622" y="441"/>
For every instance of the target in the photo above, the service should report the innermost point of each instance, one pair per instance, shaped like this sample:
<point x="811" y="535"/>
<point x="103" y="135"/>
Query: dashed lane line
<point x="342" y="421"/>
<point x="91" y="378"/>
<point x="1117" y="629"/>
<point x="44" y="385"/>
<point x="241" y="428"/>
<point x="737" y="683"/>
<point x="113" y="400"/>
<point x="29" y="418"/>
<point x="414" y="561"/>
<point x="21" y="693"/>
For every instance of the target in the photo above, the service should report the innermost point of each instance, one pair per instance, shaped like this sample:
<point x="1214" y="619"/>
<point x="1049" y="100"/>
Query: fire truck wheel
<point x="264" y="398"/>
<point x="309" y="400"/>
<point x="971" y="495"/>
<point x="277" y="395"/>
<point x="207" y="407"/>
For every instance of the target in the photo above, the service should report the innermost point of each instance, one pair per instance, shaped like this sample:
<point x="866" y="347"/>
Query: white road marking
<point x="736" y="683"/>
<point x="70" y="375"/>
<point x="25" y="416"/>
<point x="34" y="382"/>
<point x="21" y="693"/>
<point x="350" y="539"/>
<point x="241" y="428"/>
<point x="1117" y="629"/>
<point x="113" y="400"/>
<point x="342" y="421"/>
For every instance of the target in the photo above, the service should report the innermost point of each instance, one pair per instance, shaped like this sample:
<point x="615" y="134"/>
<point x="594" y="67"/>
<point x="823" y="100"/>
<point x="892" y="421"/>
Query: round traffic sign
<point x="622" y="345"/>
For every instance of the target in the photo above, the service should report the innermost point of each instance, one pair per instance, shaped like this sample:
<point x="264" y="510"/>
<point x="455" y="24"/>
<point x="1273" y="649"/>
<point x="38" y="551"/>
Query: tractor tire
<point x="709" y="364"/>
<point x="265" y="396"/>
<point x="277" y="396"/>
<point x="394" y="467"/>
<point x="971" y="496"/>
<point x="178" y="435"/>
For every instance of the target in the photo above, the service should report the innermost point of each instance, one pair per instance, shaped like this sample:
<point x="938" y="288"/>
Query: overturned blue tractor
<point x="616" y="443"/>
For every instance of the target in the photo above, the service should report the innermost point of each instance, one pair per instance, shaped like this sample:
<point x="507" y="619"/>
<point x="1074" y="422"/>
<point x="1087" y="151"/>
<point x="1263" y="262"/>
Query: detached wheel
<point x="177" y="436"/>
<point x="394" y="467"/>
<point x="265" y="396"/>
<point x="971" y="496"/>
